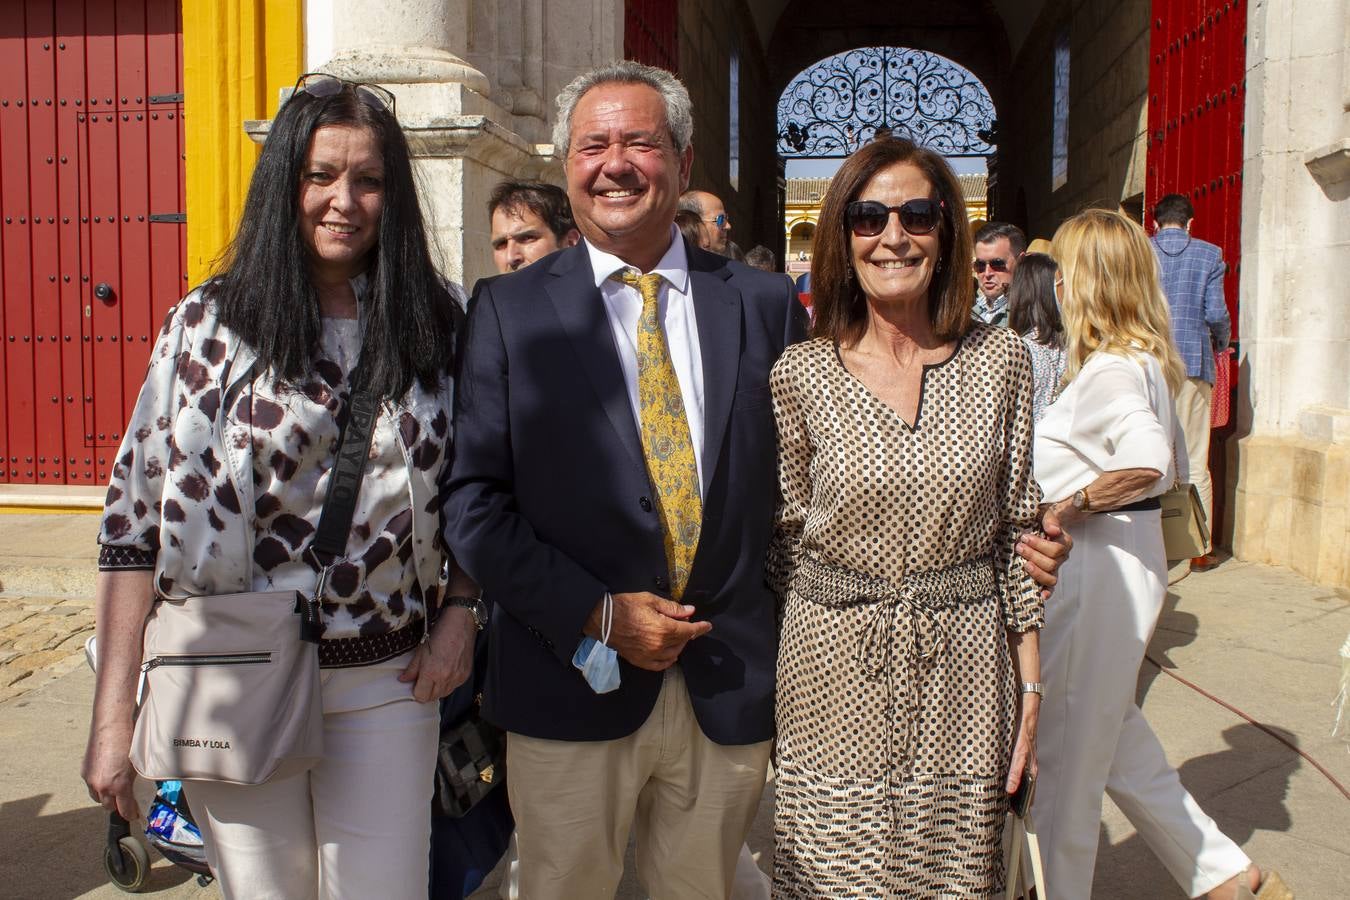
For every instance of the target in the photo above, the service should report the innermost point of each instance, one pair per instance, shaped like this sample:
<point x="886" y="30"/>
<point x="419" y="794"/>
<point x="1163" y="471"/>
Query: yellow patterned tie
<point x="665" y="436"/>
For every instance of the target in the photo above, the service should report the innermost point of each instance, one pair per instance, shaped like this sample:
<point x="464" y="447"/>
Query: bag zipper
<point x="206" y="659"/>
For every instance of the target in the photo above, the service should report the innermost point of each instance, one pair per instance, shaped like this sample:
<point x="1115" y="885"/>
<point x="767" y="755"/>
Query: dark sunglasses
<point x="322" y="85"/>
<point x="998" y="264"/>
<point x="868" y="218"/>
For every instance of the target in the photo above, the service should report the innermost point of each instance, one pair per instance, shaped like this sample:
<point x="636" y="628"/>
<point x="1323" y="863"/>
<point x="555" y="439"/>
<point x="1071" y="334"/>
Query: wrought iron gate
<point x="92" y="245"/>
<point x="1196" y="93"/>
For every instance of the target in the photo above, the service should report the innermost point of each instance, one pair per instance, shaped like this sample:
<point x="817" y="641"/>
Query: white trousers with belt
<point x="356" y="826"/>
<point x="1092" y="737"/>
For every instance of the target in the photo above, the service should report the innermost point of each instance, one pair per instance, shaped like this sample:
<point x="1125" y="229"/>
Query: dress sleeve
<point x="129" y="533"/>
<point x="794" y="475"/>
<point x="1023" y="609"/>
<point x="1115" y="425"/>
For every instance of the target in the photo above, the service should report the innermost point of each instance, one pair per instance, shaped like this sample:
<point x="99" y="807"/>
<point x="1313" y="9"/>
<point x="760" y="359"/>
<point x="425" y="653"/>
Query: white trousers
<point x="1193" y="409"/>
<point x="1092" y="737"/>
<point x="357" y="825"/>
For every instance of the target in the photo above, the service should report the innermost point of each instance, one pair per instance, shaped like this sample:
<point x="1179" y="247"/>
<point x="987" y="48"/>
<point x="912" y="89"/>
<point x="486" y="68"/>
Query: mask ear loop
<point x="607" y="618"/>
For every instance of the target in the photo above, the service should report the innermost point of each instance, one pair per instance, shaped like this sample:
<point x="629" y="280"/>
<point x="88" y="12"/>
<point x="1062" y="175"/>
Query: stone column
<point x="1293" y="460"/>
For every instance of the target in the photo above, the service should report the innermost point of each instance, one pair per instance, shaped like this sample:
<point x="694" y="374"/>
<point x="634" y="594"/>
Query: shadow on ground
<point x="1129" y="868"/>
<point x="61" y="855"/>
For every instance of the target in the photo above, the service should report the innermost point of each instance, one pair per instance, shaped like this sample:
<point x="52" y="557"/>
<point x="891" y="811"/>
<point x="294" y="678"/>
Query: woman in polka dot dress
<point x="909" y="618"/>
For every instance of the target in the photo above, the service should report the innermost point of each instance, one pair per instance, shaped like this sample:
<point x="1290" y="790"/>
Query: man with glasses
<point x="998" y="247"/>
<point x="716" y="223"/>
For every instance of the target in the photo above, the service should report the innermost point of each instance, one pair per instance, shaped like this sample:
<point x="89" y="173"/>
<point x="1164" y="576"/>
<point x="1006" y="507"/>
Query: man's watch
<point x="1080" y="500"/>
<point x="475" y="605"/>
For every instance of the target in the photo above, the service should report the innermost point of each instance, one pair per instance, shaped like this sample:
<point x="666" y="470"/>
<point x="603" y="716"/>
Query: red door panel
<point x="1196" y="92"/>
<point x="91" y="193"/>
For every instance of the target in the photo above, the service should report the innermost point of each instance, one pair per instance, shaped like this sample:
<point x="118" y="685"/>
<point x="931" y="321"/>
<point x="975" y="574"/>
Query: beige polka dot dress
<point x="893" y="559"/>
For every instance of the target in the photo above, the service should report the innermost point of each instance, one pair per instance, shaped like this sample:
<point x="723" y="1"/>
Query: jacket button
<point x="645" y="503"/>
<point x="660" y="582"/>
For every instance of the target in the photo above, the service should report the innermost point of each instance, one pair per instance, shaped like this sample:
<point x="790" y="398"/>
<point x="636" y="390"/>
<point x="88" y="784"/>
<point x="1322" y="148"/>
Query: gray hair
<point x="675" y="96"/>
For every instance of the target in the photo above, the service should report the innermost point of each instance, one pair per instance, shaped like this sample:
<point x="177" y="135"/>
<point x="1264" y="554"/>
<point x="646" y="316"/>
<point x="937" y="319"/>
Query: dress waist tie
<point x="907" y="618"/>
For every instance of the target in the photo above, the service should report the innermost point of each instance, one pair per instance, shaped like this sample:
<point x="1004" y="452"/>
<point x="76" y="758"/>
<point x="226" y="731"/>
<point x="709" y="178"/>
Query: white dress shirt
<point x="675" y="308"/>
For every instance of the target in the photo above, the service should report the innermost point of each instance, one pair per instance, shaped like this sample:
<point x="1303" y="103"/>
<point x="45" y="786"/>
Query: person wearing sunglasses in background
<point x="713" y="213"/>
<point x="998" y="248"/>
<point x="908" y="670"/>
<point x="221" y="480"/>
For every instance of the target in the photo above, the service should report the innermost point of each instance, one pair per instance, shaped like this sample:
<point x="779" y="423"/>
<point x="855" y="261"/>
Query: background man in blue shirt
<point x="1192" y="278"/>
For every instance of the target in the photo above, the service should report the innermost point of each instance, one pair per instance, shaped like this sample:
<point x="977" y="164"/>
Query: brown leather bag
<point x="231" y="689"/>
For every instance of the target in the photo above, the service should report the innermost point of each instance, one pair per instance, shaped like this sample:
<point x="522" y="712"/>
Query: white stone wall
<point x="1296" y="226"/>
<point x="1293" y="487"/>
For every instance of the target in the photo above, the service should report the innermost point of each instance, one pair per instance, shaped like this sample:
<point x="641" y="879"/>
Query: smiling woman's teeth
<point x="340" y="229"/>
<point x="897" y="264"/>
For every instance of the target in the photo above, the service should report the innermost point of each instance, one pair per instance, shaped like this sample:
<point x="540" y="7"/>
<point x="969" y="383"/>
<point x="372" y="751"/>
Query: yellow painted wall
<point x="237" y="54"/>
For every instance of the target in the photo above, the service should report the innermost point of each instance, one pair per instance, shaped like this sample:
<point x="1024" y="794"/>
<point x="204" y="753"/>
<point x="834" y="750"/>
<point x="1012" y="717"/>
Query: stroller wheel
<point x="127" y="863"/>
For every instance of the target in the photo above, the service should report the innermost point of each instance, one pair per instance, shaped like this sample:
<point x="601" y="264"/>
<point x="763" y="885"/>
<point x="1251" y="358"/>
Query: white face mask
<point x="599" y="665"/>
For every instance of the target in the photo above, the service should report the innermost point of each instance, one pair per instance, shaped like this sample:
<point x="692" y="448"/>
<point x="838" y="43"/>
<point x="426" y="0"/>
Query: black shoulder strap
<point x="344" y="483"/>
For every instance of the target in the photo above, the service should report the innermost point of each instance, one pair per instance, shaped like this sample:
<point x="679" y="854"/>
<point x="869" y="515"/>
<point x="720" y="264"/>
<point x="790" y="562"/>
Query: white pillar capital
<point x="403" y="42"/>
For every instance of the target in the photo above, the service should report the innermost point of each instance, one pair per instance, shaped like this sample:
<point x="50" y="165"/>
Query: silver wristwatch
<point x="475" y="605"/>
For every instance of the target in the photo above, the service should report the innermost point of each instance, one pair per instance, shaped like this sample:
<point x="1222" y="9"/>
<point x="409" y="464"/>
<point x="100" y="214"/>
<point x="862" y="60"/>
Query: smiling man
<point x="613" y="492"/>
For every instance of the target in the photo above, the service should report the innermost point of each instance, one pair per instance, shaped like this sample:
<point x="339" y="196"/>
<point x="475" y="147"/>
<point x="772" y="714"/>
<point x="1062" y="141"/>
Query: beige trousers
<point x="357" y="825"/>
<point x="690" y="800"/>
<point x="1193" y="408"/>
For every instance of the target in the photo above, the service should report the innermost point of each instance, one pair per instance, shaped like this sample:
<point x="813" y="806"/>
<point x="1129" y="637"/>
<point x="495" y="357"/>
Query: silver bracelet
<point x="1033" y="687"/>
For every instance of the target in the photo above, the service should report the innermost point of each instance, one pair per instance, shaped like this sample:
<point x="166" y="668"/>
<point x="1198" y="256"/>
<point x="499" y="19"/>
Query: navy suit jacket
<point x="549" y="504"/>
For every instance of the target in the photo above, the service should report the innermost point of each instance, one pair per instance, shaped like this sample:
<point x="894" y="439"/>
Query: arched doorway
<point x="842" y="102"/>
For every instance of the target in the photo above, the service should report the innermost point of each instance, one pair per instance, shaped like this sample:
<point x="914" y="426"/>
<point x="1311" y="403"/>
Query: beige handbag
<point x="1185" y="531"/>
<point x="231" y="681"/>
<point x="1024" y="831"/>
<point x="231" y="691"/>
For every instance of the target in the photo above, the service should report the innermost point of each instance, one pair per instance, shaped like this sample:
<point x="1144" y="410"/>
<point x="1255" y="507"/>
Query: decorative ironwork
<point x="841" y="102"/>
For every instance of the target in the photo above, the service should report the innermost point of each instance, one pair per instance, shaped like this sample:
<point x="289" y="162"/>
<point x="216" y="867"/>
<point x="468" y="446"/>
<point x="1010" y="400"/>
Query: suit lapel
<point x="717" y="308"/>
<point x="580" y="309"/>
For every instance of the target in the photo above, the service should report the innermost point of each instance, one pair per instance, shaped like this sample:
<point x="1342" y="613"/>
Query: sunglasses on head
<point x="321" y="85"/>
<point x="998" y="264"/>
<point x="868" y="218"/>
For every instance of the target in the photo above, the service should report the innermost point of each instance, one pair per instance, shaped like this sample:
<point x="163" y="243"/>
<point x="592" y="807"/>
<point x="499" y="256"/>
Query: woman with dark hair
<point x="1033" y="312"/>
<point x="221" y="478"/>
<point x="908" y="669"/>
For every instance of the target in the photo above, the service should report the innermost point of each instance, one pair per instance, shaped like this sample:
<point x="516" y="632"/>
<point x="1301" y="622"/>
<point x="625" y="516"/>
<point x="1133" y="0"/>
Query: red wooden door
<point x="1196" y="93"/>
<point x="92" y="250"/>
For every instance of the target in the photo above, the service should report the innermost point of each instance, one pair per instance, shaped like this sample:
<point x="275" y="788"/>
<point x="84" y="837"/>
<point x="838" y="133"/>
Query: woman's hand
<point x="444" y="661"/>
<point x="1024" y="747"/>
<point x="1044" y="555"/>
<point x="108" y="773"/>
<point x="122" y="601"/>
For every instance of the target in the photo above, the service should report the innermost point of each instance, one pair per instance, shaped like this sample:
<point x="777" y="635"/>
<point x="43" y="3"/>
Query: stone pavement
<point x="1260" y="638"/>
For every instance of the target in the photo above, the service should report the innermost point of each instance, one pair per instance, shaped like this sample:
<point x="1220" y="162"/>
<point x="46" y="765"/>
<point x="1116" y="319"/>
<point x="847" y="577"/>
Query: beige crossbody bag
<point x="231" y="686"/>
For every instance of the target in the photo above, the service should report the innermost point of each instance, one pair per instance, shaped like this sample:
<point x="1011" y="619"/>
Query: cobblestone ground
<point x="40" y="638"/>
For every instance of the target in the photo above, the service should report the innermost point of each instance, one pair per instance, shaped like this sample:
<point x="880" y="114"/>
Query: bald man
<point x="713" y="213"/>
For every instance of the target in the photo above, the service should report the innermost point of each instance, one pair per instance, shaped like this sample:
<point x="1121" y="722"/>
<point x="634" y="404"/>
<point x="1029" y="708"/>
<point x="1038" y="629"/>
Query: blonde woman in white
<point x="1103" y="455"/>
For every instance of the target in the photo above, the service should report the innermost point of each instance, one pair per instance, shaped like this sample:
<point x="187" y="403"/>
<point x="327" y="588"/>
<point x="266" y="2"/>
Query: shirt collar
<point x="673" y="266"/>
<point x="995" y="305"/>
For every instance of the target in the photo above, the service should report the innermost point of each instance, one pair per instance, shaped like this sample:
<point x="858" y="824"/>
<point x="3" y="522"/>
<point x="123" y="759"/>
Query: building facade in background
<point x="1243" y="105"/>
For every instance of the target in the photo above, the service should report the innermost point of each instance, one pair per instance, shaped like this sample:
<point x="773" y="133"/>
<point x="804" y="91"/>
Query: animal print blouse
<point x="220" y="480"/>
